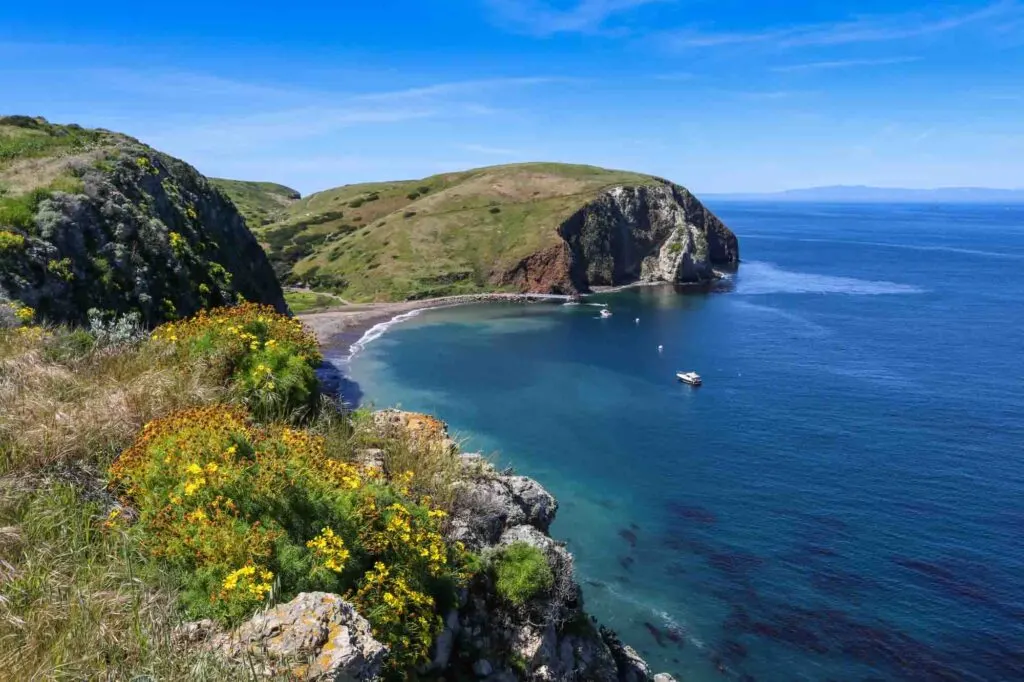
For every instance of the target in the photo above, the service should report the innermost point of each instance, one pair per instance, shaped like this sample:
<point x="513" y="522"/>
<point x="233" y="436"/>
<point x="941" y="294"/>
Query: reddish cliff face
<point x="649" y="233"/>
<point x="547" y="272"/>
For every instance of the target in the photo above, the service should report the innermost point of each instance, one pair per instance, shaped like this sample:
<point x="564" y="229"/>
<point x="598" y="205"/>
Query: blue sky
<point x="719" y="95"/>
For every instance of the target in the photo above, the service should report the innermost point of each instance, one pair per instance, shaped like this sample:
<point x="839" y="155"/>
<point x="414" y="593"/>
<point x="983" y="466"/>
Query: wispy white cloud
<point x="261" y="130"/>
<point x="844" y="64"/>
<point x="675" y="76"/>
<point x="540" y="18"/>
<point x="461" y="87"/>
<point x="491" y="151"/>
<point x="178" y="84"/>
<point x="868" y="29"/>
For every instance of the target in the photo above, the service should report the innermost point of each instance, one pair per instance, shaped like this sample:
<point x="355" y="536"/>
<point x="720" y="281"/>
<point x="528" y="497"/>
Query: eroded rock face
<point x="489" y="505"/>
<point x="645" y="233"/>
<point x="316" y="636"/>
<point x="658" y="233"/>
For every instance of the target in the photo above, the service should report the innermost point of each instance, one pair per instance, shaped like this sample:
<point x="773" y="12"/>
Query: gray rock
<point x="195" y="632"/>
<point x="537" y="504"/>
<point x="445" y="641"/>
<point x="631" y="666"/>
<point x="371" y="458"/>
<point x="316" y="636"/>
<point x="664" y="677"/>
<point x="488" y="505"/>
<point x="483" y="668"/>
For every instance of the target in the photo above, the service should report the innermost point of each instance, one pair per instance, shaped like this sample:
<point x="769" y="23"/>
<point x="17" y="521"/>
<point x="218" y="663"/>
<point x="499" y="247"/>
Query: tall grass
<point x="73" y="601"/>
<point x="59" y="403"/>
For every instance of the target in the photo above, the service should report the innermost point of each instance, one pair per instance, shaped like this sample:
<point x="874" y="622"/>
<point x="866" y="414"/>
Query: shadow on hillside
<point x="335" y="383"/>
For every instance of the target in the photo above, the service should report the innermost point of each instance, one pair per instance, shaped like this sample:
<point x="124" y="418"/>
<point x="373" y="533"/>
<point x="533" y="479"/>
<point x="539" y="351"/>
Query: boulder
<point x="664" y="677"/>
<point x="536" y="503"/>
<point x="488" y="505"/>
<point x="631" y="666"/>
<point x="316" y="636"/>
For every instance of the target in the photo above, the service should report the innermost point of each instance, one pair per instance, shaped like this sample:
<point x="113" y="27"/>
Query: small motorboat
<point x="691" y="378"/>
<point x="605" y="312"/>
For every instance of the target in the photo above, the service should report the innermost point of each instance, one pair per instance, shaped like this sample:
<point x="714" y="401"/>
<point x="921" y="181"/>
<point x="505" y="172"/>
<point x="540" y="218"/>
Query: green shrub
<point x="20" y="211"/>
<point x="242" y="513"/>
<point x="61" y="268"/>
<point x="267" y="357"/>
<point x="11" y="241"/>
<point x="521" y="573"/>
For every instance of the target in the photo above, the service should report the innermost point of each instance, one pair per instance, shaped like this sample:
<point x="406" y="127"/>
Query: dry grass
<point x="72" y="604"/>
<point x="87" y="407"/>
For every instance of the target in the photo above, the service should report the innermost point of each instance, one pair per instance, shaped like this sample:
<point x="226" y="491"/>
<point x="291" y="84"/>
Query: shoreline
<point x="352" y="322"/>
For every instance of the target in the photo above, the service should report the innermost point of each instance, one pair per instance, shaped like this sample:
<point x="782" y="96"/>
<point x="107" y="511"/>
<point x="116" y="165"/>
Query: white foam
<point x="667" y="620"/>
<point x="755" y="277"/>
<point x="378" y="330"/>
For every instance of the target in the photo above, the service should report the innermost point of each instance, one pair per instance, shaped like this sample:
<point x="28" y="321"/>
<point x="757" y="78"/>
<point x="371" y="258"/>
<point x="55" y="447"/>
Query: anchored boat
<point x="691" y="378"/>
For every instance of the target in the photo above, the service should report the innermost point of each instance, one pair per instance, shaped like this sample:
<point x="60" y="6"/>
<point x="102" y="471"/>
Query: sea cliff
<point x="628" y="234"/>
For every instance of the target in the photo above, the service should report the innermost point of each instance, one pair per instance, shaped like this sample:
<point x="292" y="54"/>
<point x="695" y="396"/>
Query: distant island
<point x="865" y="194"/>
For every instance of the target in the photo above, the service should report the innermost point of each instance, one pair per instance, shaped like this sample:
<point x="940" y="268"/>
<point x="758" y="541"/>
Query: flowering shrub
<point x="11" y="241"/>
<point x="246" y="513"/>
<point x="268" y="357"/>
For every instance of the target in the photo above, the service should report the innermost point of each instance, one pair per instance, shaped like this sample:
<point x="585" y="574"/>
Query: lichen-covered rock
<point x="114" y="225"/>
<point x="421" y="429"/>
<point x="316" y="636"/>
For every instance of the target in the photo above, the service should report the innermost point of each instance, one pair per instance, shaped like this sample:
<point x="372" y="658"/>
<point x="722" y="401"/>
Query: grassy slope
<point x="261" y="203"/>
<point x="445" y="234"/>
<point x="35" y="154"/>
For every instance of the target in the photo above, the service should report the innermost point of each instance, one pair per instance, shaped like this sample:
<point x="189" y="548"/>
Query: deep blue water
<point x="844" y="497"/>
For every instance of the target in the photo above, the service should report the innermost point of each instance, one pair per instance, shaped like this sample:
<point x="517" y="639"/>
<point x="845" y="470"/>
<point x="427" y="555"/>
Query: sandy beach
<point x="347" y="323"/>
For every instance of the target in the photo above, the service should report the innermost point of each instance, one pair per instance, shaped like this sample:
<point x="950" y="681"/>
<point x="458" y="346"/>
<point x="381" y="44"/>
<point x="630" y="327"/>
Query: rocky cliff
<point x="93" y="219"/>
<point x="641" y="233"/>
<point x="550" y="638"/>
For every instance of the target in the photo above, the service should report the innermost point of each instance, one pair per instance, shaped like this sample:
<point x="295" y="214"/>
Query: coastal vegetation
<point x="230" y="487"/>
<point x="95" y="219"/>
<point x="521" y="573"/>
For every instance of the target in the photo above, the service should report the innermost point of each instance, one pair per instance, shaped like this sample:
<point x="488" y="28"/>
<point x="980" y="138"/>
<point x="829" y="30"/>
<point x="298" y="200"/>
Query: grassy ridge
<point x="442" y="235"/>
<point x="260" y="203"/>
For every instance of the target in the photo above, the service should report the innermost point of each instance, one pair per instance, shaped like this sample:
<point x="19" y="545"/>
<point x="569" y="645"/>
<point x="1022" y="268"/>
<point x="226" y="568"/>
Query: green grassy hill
<point x="446" y="234"/>
<point x="260" y="203"/>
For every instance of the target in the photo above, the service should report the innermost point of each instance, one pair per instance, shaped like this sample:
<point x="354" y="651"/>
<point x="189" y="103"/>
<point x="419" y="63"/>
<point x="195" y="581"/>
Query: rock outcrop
<point x="551" y="639"/>
<point x="111" y="224"/>
<point x="641" y="233"/>
<point x="314" y="637"/>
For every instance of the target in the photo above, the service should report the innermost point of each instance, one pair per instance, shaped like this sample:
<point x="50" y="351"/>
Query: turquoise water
<point x="841" y="500"/>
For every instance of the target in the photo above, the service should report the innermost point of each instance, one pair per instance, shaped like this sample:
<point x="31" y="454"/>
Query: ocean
<point x="843" y="498"/>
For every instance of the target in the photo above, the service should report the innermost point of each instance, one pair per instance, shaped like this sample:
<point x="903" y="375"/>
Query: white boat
<point x="605" y="312"/>
<point x="691" y="378"/>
